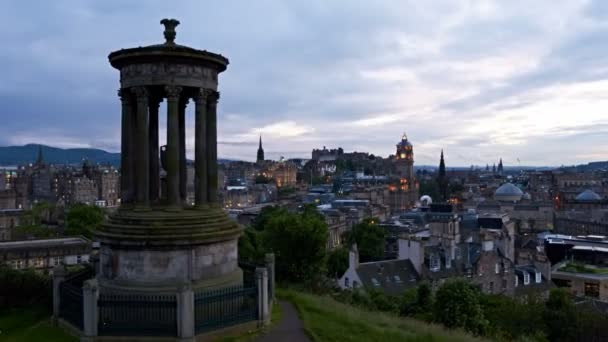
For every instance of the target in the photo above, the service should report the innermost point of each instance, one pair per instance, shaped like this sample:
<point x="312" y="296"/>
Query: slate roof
<point x="391" y="276"/>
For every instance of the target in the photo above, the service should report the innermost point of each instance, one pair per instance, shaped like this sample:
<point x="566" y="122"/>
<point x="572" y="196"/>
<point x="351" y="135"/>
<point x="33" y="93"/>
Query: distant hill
<point x="19" y="155"/>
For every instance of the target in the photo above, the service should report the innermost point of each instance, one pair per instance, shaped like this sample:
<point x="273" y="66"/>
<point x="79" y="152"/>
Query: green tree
<point x="370" y="239"/>
<point x="34" y="222"/>
<point x="337" y="262"/>
<point x="457" y="306"/>
<point x="560" y="316"/>
<point x="265" y="215"/>
<point x="83" y="219"/>
<point x="250" y="246"/>
<point x="429" y="188"/>
<point x="298" y="242"/>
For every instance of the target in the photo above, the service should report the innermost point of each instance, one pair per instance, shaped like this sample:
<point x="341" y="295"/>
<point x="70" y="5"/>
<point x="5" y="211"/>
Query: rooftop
<point x="43" y="243"/>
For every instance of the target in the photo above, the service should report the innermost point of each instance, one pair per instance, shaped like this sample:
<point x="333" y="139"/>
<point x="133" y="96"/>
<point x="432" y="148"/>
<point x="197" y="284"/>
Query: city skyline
<point x="480" y="80"/>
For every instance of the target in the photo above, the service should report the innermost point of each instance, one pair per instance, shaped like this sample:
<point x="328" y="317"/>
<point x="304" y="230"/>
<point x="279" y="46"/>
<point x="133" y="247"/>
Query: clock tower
<point x="403" y="189"/>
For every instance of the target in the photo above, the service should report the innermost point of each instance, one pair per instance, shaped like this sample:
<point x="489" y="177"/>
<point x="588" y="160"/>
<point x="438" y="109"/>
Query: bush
<point x="24" y="288"/>
<point x="457" y="306"/>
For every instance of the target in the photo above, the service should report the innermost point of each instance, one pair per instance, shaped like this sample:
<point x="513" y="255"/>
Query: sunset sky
<point x="523" y="80"/>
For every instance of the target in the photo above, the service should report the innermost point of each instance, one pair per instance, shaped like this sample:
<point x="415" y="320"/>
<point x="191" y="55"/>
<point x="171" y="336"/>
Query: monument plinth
<point x="156" y="241"/>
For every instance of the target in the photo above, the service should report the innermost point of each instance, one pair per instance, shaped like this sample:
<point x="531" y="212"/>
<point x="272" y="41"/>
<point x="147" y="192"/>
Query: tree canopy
<point x="83" y="219"/>
<point x="370" y="239"/>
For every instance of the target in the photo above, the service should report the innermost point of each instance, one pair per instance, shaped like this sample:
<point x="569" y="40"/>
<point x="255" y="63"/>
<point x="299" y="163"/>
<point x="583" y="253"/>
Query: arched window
<point x="346" y="283"/>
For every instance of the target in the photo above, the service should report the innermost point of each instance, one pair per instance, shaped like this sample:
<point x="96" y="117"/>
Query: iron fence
<point x="248" y="273"/>
<point x="137" y="315"/>
<point x="225" y="307"/>
<point x="70" y="304"/>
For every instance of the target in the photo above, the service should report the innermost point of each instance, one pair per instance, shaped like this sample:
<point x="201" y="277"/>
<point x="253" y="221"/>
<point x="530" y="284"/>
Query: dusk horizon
<point x="479" y="80"/>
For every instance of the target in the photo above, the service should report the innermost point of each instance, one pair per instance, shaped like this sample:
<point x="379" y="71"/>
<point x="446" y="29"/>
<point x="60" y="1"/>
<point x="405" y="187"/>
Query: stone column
<point x="126" y="163"/>
<point x="142" y="155"/>
<point x="183" y="171"/>
<point x="261" y="277"/>
<point x="212" y="148"/>
<point x="269" y="263"/>
<point x="185" y="313"/>
<point x="172" y="154"/>
<point x="90" y="312"/>
<point x="59" y="274"/>
<point x="200" y="148"/>
<point x="154" y="152"/>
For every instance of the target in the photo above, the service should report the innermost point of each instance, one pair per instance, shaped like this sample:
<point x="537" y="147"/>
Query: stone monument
<point x="155" y="242"/>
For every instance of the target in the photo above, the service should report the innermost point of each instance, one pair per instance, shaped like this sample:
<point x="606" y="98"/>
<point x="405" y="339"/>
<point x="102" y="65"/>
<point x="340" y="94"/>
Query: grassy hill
<point x="327" y="320"/>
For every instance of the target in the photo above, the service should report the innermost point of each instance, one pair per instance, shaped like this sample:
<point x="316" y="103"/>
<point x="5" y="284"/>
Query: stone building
<point x="403" y="190"/>
<point x="283" y="173"/>
<point x="83" y="190"/>
<point x="9" y="220"/>
<point x="41" y="181"/>
<point x="108" y="186"/>
<point x="8" y="199"/>
<point x="45" y="254"/>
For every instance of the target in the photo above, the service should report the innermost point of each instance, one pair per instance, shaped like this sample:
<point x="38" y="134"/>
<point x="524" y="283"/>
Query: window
<point x="504" y="284"/>
<point x="375" y="282"/>
<point x="448" y="261"/>
<point x="516" y="280"/>
<point x="538" y="277"/>
<point x="497" y="268"/>
<point x="491" y="287"/>
<point x="346" y="283"/>
<point x="526" y="278"/>
<point x="355" y="284"/>
<point x="434" y="263"/>
<point x="592" y="290"/>
<point x="397" y="279"/>
<point x="56" y="261"/>
<point x="78" y="259"/>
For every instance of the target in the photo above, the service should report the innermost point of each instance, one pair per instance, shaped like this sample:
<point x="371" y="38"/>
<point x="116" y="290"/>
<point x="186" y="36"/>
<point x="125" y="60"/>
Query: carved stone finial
<point x="170" y="25"/>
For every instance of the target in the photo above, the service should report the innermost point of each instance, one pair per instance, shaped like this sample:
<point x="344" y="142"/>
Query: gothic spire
<point x="260" y="156"/>
<point x="441" y="166"/>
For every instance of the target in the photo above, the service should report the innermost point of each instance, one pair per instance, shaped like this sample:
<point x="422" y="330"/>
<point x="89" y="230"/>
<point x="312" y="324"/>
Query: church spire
<point x="260" y="156"/>
<point x="442" y="181"/>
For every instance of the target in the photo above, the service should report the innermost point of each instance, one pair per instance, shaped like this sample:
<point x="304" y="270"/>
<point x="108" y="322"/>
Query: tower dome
<point x="508" y="193"/>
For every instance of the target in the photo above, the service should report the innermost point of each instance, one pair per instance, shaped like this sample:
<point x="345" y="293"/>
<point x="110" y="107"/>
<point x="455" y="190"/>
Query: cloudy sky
<point x="523" y="80"/>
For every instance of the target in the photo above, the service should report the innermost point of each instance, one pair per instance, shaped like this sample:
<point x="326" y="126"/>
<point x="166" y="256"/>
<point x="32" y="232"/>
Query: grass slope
<point x="327" y="320"/>
<point x="30" y="325"/>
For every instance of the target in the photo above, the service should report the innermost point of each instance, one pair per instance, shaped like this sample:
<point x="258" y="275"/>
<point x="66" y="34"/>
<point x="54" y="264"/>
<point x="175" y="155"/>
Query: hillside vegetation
<point x="328" y="320"/>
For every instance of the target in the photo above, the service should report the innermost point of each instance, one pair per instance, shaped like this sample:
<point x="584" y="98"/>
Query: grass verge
<point x="327" y="320"/>
<point x="30" y="325"/>
<point x="275" y="317"/>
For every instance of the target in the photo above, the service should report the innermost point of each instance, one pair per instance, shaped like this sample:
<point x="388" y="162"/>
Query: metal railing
<point x="70" y="305"/>
<point x="137" y="315"/>
<point x="225" y="307"/>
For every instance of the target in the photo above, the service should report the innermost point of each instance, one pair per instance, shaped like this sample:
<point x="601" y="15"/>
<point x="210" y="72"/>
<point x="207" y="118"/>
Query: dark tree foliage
<point x="265" y="215"/>
<point x="337" y="262"/>
<point x="429" y="188"/>
<point x="23" y="288"/>
<point x="298" y="241"/>
<point x="457" y="306"/>
<point x="83" y="219"/>
<point x="559" y="316"/>
<point x="250" y="246"/>
<point x="370" y="239"/>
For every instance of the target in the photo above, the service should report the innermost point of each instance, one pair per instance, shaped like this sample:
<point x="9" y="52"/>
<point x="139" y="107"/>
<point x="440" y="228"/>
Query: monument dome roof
<point x="508" y="192"/>
<point x="159" y="52"/>
<point x="588" y="196"/>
